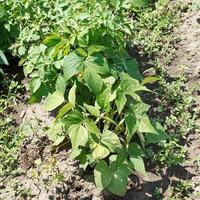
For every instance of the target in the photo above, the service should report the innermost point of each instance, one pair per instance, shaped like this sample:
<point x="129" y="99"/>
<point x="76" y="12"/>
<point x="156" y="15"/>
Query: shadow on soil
<point x="144" y="190"/>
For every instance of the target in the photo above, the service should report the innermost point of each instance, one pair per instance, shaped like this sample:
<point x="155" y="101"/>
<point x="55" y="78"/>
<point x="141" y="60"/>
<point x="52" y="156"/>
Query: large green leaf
<point x="73" y="118"/>
<point x="51" y="40"/>
<point x="135" y="154"/>
<point x="158" y="136"/>
<point x="102" y="175"/>
<point x="78" y="135"/>
<point x="129" y="66"/>
<point x="55" y="133"/>
<point x="61" y="84"/>
<point x="100" y="152"/>
<point x="139" y="109"/>
<point x="145" y="126"/>
<point x="131" y="125"/>
<point x="94" y="81"/>
<point x="140" y="3"/>
<point x="2" y="11"/>
<point x="120" y="100"/>
<point x="95" y="48"/>
<point x="129" y="86"/>
<point x="54" y="100"/>
<point x="118" y="183"/>
<point x="98" y="64"/>
<point x="103" y="99"/>
<point x="93" y="110"/>
<point x="35" y="84"/>
<point x="111" y="140"/>
<point x="64" y="110"/>
<point x="72" y="65"/>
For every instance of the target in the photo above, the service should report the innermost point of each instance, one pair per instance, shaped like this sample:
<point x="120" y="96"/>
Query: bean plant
<point x="74" y="53"/>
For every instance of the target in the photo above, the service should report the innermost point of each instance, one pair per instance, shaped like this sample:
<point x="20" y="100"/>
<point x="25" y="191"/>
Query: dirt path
<point x="187" y="54"/>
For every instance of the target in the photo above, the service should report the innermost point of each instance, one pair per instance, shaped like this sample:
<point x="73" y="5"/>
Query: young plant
<point x="80" y="63"/>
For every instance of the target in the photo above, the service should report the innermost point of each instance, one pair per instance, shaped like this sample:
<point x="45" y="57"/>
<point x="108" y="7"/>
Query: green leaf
<point x="54" y="100"/>
<point x="93" y="110"/>
<point x="75" y="153"/>
<point x="35" y="84"/>
<point x="100" y="152"/>
<point x="94" y="81"/>
<point x="55" y="133"/>
<point x="78" y="135"/>
<point x="140" y="3"/>
<point x="102" y="175"/>
<point x="92" y="127"/>
<point x="61" y="84"/>
<point x="130" y="67"/>
<point x="158" y="136"/>
<point x="72" y="95"/>
<point x="59" y="140"/>
<point x="118" y="183"/>
<point x="72" y="65"/>
<point x="135" y="154"/>
<point x="83" y="161"/>
<point x="143" y="88"/>
<point x="21" y="50"/>
<point x="3" y="60"/>
<point x="111" y="140"/>
<point x="2" y="11"/>
<point x="64" y="110"/>
<point x="80" y="52"/>
<point x="131" y="125"/>
<point x="149" y="79"/>
<point x="138" y="164"/>
<point x="111" y="121"/>
<point x="74" y="117"/>
<point x="145" y="125"/>
<point x="129" y="85"/>
<point x="139" y="109"/>
<point x="51" y="40"/>
<point x="95" y="48"/>
<point x="103" y="99"/>
<point x="134" y="149"/>
<point x="120" y="100"/>
<point x="98" y="64"/>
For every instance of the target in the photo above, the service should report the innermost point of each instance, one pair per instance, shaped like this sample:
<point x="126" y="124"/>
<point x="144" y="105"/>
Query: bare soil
<point x="187" y="54"/>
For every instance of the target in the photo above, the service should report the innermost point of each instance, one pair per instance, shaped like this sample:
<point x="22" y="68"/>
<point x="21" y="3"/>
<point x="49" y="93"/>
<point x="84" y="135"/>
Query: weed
<point x="10" y="137"/>
<point x="182" y="189"/>
<point x="169" y="153"/>
<point x="20" y="191"/>
<point x="157" y="194"/>
<point x="154" y="27"/>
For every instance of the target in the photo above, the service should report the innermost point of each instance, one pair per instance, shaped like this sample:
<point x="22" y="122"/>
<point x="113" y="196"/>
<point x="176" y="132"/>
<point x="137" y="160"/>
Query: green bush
<point x="74" y="53"/>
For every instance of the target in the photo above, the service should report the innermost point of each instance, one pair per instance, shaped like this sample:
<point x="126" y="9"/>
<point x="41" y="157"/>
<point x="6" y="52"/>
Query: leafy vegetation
<point x="80" y="63"/>
<point x="182" y="189"/>
<point x="10" y="138"/>
<point x="153" y="27"/>
<point x="74" y="54"/>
